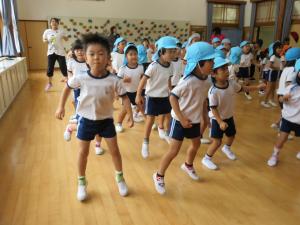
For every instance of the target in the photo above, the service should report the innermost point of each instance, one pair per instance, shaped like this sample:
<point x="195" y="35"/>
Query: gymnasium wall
<point x="193" y="11"/>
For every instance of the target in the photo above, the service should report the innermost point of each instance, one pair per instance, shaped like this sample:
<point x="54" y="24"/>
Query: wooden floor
<point x="38" y="173"/>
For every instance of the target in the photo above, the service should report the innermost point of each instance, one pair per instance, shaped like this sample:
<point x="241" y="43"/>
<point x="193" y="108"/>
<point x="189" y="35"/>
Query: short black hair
<point x="286" y="39"/>
<point x="162" y="51"/>
<point x="131" y="48"/>
<point x="276" y="45"/>
<point x="260" y="42"/>
<point x="290" y="63"/>
<point x="55" y="19"/>
<point x="179" y="45"/>
<point x="77" y="44"/>
<point x="145" y="39"/>
<point x="217" y="30"/>
<point x="94" y="38"/>
<point x="112" y="29"/>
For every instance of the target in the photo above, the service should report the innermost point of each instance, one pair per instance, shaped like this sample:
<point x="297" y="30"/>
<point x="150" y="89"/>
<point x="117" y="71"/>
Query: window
<point x="226" y="14"/>
<point x="296" y="10"/>
<point x="265" y="12"/>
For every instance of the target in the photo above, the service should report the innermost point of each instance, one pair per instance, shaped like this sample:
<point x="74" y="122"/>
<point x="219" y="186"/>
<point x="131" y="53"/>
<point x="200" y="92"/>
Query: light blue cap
<point x="167" y="42"/>
<point x="292" y="54"/>
<point x="117" y="42"/>
<point x="235" y="55"/>
<point x="198" y="51"/>
<point x="226" y="41"/>
<point x="243" y="43"/>
<point x="215" y="40"/>
<point x="219" y="52"/>
<point x="142" y="54"/>
<point x="297" y="66"/>
<point x="129" y="44"/>
<point x="219" y="62"/>
<point x="194" y="35"/>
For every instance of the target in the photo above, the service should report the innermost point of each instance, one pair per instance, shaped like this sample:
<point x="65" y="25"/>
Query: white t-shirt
<point x="96" y="94"/>
<point x="117" y="60"/>
<point x="177" y="71"/>
<point x="223" y="99"/>
<point x="135" y="75"/>
<point x="233" y="70"/>
<point x="266" y="64"/>
<point x="288" y="75"/>
<point x="246" y="60"/>
<point x="191" y="93"/>
<point x="76" y="67"/>
<point x="158" y="80"/>
<point x="55" y="41"/>
<point x="291" y="109"/>
<point x="276" y="62"/>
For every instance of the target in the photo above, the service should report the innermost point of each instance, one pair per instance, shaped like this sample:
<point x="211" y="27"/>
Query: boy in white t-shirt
<point x="95" y="108"/>
<point x="290" y="116"/>
<point x="187" y="100"/>
<point x="221" y="103"/>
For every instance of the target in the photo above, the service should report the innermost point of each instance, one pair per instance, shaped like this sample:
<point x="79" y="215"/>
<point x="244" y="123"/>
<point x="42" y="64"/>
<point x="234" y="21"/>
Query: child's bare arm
<point x="60" y="111"/>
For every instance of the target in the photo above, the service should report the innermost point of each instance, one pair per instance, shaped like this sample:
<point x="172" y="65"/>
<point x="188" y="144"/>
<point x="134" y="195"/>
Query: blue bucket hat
<point x="219" y="51"/>
<point x="215" y="40"/>
<point x="219" y="61"/>
<point x="297" y="66"/>
<point x="142" y="54"/>
<point x="129" y="45"/>
<point x="292" y="54"/>
<point x="117" y="42"/>
<point x="271" y="50"/>
<point x="235" y="55"/>
<point x="226" y="41"/>
<point x="197" y="52"/>
<point x="244" y="43"/>
<point x="167" y="42"/>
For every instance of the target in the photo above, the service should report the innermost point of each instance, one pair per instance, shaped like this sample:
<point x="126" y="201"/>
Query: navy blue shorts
<point x="287" y="126"/>
<point x="132" y="96"/>
<point x="244" y="72"/>
<point x="88" y="129"/>
<point x="273" y="75"/>
<point x="157" y="106"/>
<point x="216" y="132"/>
<point x="76" y="95"/>
<point x="266" y="75"/>
<point x="178" y="133"/>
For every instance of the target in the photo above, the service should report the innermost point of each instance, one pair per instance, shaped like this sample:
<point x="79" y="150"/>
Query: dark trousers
<point x="61" y="62"/>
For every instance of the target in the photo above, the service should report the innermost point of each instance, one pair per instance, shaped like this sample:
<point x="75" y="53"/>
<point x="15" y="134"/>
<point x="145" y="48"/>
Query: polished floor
<point x="38" y="173"/>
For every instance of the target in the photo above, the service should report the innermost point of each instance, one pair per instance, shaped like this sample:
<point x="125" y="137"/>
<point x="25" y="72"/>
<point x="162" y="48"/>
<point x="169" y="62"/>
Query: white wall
<point x="193" y="11"/>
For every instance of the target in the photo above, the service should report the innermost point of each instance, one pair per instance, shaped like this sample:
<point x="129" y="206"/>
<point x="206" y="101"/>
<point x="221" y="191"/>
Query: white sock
<point x="276" y="151"/>
<point x="207" y="157"/>
<point x="226" y="147"/>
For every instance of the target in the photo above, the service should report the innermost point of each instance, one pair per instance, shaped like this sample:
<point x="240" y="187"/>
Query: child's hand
<point x="262" y="86"/>
<point x="127" y="79"/>
<point x="223" y="125"/>
<point x="60" y="113"/>
<point x="286" y="97"/>
<point x="139" y="100"/>
<point x="186" y="123"/>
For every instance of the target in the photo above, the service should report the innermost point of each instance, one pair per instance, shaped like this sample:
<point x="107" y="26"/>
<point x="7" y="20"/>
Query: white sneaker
<point x="123" y="189"/>
<point x="205" y="141"/>
<point x="273" y="103"/>
<point x="190" y="171"/>
<point x="275" y="126"/>
<point x="290" y="137"/>
<point x="265" y="104"/>
<point x="145" y="150"/>
<point x="228" y="153"/>
<point x="209" y="164"/>
<point x="99" y="150"/>
<point x="137" y="118"/>
<point x="261" y="92"/>
<point x="119" y="128"/>
<point x="248" y="96"/>
<point x="273" y="160"/>
<point x="298" y="155"/>
<point x="161" y="133"/>
<point x="154" y="126"/>
<point x="159" y="184"/>
<point x="67" y="135"/>
<point x="81" y="193"/>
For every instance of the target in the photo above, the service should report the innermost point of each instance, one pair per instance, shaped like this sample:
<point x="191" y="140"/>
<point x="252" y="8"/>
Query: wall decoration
<point x="132" y="30"/>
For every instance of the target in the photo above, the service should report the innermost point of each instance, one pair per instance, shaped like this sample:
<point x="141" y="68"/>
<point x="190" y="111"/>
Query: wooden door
<point x="36" y="49"/>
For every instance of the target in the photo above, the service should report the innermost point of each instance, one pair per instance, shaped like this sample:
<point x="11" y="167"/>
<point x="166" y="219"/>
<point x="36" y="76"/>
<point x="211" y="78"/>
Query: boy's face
<point x="79" y="53"/>
<point x="97" y="56"/>
<point x="169" y="54"/>
<point x="227" y="46"/>
<point x="206" y="69"/>
<point x="53" y="24"/>
<point x="132" y="57"/>
<point x="222" y="73"/>
<point x="246" y="49"/>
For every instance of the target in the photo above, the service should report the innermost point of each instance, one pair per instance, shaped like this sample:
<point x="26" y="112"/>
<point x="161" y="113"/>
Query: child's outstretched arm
<point x="60" y="111"/>
<point x="186" y="123"/>
<point x="139" y="100"/>
<point x="127" y="107"/>
<point x="223" y="125"/>
<point x="254" y="87"/>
